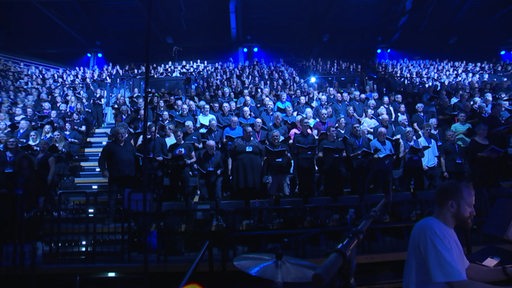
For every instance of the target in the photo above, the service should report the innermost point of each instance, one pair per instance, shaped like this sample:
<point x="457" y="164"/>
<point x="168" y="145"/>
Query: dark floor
<point x="388" y="276"/>
<point x="312" y="233"/>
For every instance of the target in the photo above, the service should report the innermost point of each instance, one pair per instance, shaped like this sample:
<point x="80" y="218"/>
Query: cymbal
<point x="275" y="267"/>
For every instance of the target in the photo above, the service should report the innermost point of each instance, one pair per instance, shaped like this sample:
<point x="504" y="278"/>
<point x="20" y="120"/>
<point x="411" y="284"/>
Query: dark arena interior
<point x="248" y="143"/>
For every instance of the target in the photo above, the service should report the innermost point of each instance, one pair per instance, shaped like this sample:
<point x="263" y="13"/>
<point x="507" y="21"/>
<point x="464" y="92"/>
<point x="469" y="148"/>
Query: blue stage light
<point x="312" y="79"/>
<point x="255" y="49"/>
<point x="245" y="50"/>
<point x="389" y="50"/>
<point x="502" y="52"/>
<point x="89" y="55"/>
<point x="100" y="54"/>
<point x="378" y="51"/>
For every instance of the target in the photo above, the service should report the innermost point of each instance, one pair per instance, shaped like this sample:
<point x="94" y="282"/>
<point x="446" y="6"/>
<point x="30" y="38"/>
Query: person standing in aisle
<point x="118" y="162"/>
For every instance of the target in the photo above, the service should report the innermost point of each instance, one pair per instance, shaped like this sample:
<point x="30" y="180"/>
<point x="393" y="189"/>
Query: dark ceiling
<point x="61" y="31"/>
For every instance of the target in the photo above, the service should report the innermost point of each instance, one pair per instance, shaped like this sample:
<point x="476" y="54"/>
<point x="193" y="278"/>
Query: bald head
<point x="210" y="146"/>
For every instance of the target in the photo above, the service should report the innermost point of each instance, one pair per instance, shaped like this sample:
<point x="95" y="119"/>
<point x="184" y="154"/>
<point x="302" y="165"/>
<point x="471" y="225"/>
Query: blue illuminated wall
<point x="506" y="55"/>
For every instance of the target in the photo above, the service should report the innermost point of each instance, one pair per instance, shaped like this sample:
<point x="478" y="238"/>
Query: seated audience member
<point x="47" y="133"/>
<point x="34" y="139"/>
<point x="203" y="119"/>
<point x="213" y="133"/>
<point x="4" y="128"/>
<point x="322" y="124"/>
<point x="190" y="135"/>
<point x="245" y="118"/>
<point x="259" y="131"/>
<point x="23" y="132"/>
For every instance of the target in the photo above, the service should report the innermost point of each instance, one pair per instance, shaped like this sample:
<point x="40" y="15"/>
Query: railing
<point x="22" y="62"/>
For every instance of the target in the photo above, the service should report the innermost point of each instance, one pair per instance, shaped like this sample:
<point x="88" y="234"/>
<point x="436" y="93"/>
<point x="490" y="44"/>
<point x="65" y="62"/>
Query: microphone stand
<point x="343" y="256"/>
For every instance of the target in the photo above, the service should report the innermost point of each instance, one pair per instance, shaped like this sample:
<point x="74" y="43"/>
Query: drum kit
<point x="276" y="267"/>
<point x="283" y="269"/>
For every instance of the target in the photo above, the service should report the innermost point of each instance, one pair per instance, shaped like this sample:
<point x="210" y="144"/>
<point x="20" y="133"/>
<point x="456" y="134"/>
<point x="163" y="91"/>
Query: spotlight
<point x="378" y="51"/>
<point x="389" y="50"/>
<point x="502" y="52"/>
<point x="89" y="55"/>
<point x="193" y="285"/>
<point x="100" y="54"/>
<point x="245" y="50"/>
<point x="312" y="79"/>
<point x="255" y="49"/>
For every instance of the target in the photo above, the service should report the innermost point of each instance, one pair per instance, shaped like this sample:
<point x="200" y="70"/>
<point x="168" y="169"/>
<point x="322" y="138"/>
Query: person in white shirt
<point x="435" y="256"/>
<point x="203" y="119"/>
<point x="430" y="158"/>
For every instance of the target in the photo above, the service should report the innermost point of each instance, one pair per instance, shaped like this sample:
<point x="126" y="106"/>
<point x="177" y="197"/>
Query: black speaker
<point x="499" y="220"/>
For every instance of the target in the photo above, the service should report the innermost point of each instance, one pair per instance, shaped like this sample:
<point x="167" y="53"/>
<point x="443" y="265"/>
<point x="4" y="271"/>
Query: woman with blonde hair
<point x="47" y="133"/>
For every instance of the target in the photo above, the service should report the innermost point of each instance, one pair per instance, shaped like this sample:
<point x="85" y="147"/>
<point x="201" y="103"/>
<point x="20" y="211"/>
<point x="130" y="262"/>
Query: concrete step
<point x="86" y="188"/>
<point x="92" y="187"/>
<point x="90" y="174"/>
<point x="89" y="164"/>
<point x="90" y="169"/>
<point x="91" y="180"/>
<point x="103" y="130"/>
<point x="92" y="150"/>
<point x="89" y="158"/>
<point x="98" y="139"/>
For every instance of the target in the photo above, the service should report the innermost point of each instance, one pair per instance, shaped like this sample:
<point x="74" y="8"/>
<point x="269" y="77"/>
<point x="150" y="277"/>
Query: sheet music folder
<point x="306" y="148"/>
<point x="275" y="151"/>
<point x="418" y="149"/>
<point x="231" y="138"/>
<point x="363" y="153"/>
<point x="331" y="151"/>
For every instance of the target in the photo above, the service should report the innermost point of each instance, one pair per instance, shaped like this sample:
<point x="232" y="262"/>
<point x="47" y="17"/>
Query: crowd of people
<point x="260" y="130"/>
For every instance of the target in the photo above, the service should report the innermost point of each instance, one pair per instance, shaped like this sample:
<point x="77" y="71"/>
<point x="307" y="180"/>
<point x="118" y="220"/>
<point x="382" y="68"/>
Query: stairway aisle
<point x="89" y="178"/>
<point x="80" y="230"/>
